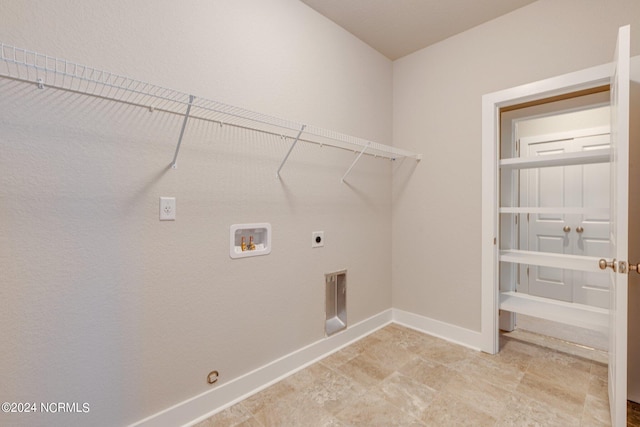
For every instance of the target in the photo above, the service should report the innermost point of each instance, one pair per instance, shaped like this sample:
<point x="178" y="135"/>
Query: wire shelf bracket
<point x="354" y="162"/>
<point x="174" y="165"/>
<point x="290" y="150"/>
<point x="50" y="72"/>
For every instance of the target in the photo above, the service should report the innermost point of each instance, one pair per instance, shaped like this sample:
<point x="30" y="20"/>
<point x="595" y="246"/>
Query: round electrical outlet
<point x="317" y="239"/>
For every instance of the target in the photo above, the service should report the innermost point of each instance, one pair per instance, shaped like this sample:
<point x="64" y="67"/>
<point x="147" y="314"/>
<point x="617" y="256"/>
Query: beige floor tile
<point x="428" y="372"/>
<point x="598" y="388"/>
<point x="447" y="410"/>
<point x="515" y="350"/>
<point x="365" y="370"/>
<point x="403" y="392"/>
<point x="563" y="370"/>
<point x="505" y="376"/>
<point x="509" y="357"/>
<point x="341" y="357"/>
<point x="364" y="344"/>
<point x="304" y="378"/>
<point x="390" y="354"/>
<point x="408" y="339"/>
<point x="251" y="422"/>
<point x="299" y="408"/>
<point x="267" y="397"/>
<point x="308" y="392"/>
<point x="320" y="372"/>
<point x="336" y="391"/>
<point x="445" y="352"/>
<point x="387" y="333"/>
<point x="344" y="355"/>
<point x="600" y="370"/>
<point x="334" y="422"/>
<point x="372" y="411"/>
<point x="559" y="396"/>
<point x="596" y="412"/>
<point x="521" y="410"/>
<point x="479" y="394"/>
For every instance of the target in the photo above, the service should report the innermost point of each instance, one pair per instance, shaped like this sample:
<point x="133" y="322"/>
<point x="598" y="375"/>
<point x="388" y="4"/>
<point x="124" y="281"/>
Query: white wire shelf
<point x="47" y="71"/>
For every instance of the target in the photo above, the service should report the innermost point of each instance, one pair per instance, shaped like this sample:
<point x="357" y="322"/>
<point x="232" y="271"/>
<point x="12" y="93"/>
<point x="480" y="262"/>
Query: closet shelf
<point x="546" y="259"/>
<point x="601" y="155"/>
<point x="584" y="316"/>
<point x="46" y="71"/>
<point x="563" y="211"/>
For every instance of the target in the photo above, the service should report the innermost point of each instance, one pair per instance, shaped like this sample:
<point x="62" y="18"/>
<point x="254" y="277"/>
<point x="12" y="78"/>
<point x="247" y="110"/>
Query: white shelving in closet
<point x="565" y="159"/>
<point x="547" y="259"/>
<point x="550" y="259"/>
<point x="571" y="313"/>
<point x="51" y="72"/>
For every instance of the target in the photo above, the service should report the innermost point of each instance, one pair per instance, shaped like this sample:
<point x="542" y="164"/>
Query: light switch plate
<point x="167" y="208"/>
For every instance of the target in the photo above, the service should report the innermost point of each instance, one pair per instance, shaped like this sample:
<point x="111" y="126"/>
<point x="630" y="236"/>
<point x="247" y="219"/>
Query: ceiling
<point x="397" y="28"/>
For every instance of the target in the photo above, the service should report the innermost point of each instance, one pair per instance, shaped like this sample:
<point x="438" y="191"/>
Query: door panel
<point x="592" y="288"/>
<point x="619" y="229"/>
<point x="546" y="189"/>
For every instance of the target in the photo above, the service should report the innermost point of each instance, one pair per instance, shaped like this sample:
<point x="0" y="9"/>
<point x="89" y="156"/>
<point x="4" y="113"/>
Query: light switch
<point x="167" y="208"/>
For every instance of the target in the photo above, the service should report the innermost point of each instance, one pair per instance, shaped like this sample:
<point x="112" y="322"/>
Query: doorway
<point x="559" y="206"/>
<point x="584" y="187"/>
<point x="582" y="226"/>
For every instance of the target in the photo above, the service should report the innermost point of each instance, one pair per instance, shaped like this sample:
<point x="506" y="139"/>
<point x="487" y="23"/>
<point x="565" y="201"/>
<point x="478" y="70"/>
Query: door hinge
<point x="516" y="219"/>
<point x="518" y="146"/>
<point x="527" y="271"/>
<point x="495" y="240"/>
<point x="528" y="217"/>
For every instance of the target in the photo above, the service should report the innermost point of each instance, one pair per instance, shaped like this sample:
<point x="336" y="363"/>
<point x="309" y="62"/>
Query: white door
<point x="585" y="187"/>
<point x="619" y="230"/>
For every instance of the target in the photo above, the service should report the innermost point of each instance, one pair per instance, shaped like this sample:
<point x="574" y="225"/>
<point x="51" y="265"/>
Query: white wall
<point x="437" y="111"/>
<point x="102" y="303"/>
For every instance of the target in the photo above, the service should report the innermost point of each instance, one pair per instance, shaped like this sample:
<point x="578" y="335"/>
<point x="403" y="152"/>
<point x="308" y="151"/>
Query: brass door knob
<point x="579" y="230"/>
<point x="566" y="229"/>
<point x="603" y="264"/>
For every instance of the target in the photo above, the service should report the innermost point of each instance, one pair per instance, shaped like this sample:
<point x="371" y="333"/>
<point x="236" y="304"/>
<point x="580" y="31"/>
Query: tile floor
<point x="399" y="377"/>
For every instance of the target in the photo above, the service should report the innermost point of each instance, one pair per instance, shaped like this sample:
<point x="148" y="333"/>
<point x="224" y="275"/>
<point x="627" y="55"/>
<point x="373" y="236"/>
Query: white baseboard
<point x="447" y="331"/>
<point x="212" y="401"/>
